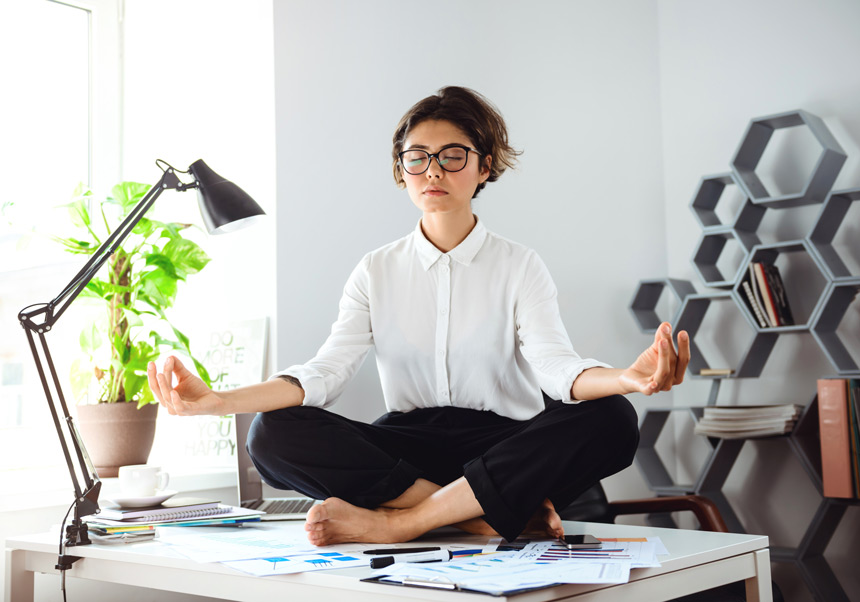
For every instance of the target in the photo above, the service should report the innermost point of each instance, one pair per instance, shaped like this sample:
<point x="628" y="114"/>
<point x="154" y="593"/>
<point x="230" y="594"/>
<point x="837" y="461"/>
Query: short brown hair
<point x="470" y="112"/>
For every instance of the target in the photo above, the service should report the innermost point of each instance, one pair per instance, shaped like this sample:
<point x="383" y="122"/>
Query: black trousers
<point x="511" y="465"/>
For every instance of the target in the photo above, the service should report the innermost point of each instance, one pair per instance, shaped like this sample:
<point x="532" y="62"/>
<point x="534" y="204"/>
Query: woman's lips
<point x="434" y="192"/>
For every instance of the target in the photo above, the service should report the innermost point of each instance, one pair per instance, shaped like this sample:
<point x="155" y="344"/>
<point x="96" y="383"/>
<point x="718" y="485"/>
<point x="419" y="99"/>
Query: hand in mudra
<point x="660" y="367"/>
<point x="190" y="397"/>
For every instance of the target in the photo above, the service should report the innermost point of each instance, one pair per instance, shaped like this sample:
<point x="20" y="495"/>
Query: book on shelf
<point x="736" y="422"/>
<point x="763" y="432"/>
<point x="716" y="372"/>
<point x="788" y="410"/>
<point x="752" y="304"/>
<point x="854" y="415"/>
<point x="757" y="293"/>
<point x="166" y="509"/>
<point x="766" y="294"/>
<point x="780" y="299"/>
<point x="838" y="477"/>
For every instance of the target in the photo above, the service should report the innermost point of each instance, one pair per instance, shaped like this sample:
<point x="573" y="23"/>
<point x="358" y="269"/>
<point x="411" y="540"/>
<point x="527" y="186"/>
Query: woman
<point x="494" y="421"/>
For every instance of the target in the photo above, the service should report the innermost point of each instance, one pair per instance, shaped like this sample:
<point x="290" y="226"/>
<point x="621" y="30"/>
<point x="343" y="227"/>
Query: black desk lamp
<point x="225" y="208"/>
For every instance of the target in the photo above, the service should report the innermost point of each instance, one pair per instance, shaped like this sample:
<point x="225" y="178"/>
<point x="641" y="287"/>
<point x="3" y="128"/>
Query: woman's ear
<point x="486" y="165"/>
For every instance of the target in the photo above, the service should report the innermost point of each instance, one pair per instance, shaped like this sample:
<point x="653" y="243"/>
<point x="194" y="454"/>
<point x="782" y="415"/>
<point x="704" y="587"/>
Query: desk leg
<point x="759" y="588"/>
<point x="19" y="581"/>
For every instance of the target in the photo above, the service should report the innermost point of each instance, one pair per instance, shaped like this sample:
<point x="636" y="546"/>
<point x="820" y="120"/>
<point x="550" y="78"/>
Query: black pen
<point x="389" y="551"/>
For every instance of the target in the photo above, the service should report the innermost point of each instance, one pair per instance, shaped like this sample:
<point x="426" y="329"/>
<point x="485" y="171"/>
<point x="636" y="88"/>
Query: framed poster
<point x="234" y="355"/>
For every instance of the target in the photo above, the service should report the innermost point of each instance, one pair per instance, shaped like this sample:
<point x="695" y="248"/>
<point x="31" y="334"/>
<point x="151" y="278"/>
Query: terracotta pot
<point x="117" y="434"/>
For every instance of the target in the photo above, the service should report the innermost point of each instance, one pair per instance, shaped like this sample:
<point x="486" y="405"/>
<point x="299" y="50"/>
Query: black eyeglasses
<point x="452" y="158"/>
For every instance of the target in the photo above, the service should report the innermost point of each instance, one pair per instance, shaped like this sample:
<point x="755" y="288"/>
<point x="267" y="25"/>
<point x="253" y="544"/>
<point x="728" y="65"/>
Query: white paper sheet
<point x="285" y="565"/>
<point x="502" y="573"/>
<point x="222" y="545"/>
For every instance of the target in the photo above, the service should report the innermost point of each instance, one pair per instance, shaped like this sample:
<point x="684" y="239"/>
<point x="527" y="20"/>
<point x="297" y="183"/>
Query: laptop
<point x="277" y="504"/>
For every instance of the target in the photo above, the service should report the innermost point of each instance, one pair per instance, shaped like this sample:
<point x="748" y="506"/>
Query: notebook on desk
<point x="286" y="506"/>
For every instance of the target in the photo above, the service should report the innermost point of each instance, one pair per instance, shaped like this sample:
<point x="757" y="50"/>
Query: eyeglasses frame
<point x="430" y="157"/>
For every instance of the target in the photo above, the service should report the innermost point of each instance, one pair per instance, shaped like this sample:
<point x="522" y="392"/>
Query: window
<point x="58" y="127"/>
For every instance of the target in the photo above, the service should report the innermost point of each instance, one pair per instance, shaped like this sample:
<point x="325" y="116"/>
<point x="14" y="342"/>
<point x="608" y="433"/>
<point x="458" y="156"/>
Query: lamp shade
<point x="224" y="206"/>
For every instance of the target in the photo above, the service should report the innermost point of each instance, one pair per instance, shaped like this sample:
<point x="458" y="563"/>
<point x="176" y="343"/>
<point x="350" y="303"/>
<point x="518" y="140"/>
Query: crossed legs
<point x="421" y="508"/>
<point x="410" y="473"/>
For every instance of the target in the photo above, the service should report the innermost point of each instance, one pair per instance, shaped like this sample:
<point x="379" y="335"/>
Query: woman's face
<point x="437" y="190"/>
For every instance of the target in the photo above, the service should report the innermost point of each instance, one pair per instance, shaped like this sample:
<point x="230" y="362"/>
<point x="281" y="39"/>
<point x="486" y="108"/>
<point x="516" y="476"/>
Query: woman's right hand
<point x="190" y="396"/>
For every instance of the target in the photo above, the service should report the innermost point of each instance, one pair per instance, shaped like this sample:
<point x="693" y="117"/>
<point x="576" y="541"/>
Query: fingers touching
<point x="161" y="384"/>
<point x="671" y="364"/>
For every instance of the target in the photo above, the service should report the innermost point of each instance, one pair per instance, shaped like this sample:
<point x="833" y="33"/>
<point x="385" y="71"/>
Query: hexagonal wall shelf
<point x="709" y="250"/>
<point x="835" y="305"/>
<point x="829" y="220"/>
<point x="644" y="304"/>
<point x="814" y="285"/>
<point x="690" y="319"/>
<point x="707" y="198"/>
<point x="754" y="143"/>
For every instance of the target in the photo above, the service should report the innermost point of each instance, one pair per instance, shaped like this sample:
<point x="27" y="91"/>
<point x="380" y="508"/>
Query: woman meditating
<point x="493" y="420"/>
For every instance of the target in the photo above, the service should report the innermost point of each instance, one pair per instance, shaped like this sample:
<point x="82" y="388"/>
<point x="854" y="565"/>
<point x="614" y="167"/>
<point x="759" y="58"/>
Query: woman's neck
<point x="447" y="230"/>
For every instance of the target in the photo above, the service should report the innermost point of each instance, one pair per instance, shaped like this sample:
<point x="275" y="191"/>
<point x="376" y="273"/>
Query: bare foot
<point x="546" y="521"/>
<point x="337" y="521"/>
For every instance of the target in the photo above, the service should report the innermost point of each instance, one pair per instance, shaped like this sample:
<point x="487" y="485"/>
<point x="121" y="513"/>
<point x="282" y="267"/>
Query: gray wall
<point x="578" y="85"/>
<point x="721" y="64"/>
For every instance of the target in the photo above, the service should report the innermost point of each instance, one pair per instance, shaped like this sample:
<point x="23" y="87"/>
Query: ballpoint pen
<point x="391" y="551"/>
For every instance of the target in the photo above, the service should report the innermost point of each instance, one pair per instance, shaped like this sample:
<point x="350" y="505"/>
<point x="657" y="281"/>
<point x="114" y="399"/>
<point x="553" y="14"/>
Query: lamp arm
<point x="40" y="318"/>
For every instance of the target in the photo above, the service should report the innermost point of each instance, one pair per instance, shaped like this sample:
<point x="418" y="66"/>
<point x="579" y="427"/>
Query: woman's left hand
<point x="660" y="367"/>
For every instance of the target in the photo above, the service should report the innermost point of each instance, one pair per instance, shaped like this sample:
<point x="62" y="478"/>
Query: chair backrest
<point x="592" y="506"/>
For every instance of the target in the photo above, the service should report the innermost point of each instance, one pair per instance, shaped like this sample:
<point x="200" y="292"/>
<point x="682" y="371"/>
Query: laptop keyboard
<point x="288" y="506"/>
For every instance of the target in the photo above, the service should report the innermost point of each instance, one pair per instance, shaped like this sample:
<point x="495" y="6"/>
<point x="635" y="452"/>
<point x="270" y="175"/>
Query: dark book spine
<point x="777" y="287"/>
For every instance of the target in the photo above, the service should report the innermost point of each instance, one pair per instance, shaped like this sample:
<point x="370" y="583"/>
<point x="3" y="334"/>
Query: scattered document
<point x="246" y="543"/>
<point x="503" y="573"/>
<point x="285" y="565"/>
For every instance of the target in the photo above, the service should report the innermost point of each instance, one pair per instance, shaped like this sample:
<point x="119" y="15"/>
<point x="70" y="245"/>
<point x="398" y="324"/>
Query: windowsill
<point x="29" y="490"/>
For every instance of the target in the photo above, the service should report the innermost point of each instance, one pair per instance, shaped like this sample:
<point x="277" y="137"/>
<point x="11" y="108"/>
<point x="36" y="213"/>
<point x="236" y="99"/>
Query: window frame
<point x="104" y="67"/>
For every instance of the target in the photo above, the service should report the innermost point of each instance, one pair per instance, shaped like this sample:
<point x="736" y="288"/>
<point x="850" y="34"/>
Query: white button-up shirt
<point x="477" y="327"/>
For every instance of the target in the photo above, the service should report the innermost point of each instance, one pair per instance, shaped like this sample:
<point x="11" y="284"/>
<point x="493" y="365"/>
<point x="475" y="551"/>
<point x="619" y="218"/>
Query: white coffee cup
<point x="142" y="480"/>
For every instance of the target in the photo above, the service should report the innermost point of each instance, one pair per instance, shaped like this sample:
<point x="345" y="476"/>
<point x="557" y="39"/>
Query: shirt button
<point x="444" y="311"/>
<point x="444" y="269"/>
<point x="441" y="352"/>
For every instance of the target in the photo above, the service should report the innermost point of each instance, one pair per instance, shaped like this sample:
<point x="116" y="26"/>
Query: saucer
<point x="141" y="502"/>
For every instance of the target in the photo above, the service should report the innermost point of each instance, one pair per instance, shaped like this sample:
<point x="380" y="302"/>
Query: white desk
<point x="697" y="561"/>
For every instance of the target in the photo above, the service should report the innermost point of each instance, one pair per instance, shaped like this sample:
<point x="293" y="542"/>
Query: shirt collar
<point x="463" y="253"/>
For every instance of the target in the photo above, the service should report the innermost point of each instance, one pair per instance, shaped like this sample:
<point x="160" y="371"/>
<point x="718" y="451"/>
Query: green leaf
<point x="163" y="261"/>
<point x="144" y="227"/>
<point x="128" y="194"/>
<point x="132" y="317"/>
<point x="90" y="339"/>
<point x="79" y="213"/>
<point x="134" y="384"/>
<point x="159" y="287"/>
<point x="186" y="256"/>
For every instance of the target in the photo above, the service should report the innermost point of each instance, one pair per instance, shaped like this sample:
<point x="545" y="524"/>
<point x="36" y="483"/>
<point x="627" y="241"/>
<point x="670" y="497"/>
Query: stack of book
<point x="746" y="422"/>
<point x="114" y="522"/>
<point x="839" y="427"/>
<point x="764" y="293"/>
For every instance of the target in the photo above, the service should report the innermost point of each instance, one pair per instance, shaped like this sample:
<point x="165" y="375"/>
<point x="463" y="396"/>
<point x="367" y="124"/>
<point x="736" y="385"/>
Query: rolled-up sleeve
<point x="325" y="377"/>
<point x="543" y="340"/>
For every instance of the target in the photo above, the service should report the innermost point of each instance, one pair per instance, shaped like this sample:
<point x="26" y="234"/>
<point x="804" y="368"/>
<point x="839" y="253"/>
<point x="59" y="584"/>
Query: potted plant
<point x="141" y="283"/>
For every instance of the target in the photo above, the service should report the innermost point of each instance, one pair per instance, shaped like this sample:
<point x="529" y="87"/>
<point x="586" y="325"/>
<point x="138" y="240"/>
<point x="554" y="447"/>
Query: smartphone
<point x="572" y="542"/>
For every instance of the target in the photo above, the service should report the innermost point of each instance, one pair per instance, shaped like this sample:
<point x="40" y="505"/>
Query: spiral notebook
<point x="172" y="509"/>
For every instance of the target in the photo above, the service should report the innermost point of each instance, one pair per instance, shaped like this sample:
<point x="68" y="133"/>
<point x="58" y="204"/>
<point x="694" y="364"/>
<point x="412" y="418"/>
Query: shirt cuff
<point x="580" y="368"/>
<point x="312" y="383"/>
